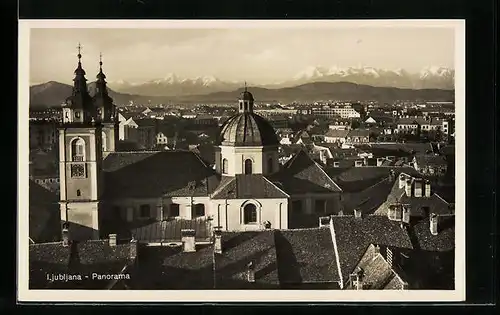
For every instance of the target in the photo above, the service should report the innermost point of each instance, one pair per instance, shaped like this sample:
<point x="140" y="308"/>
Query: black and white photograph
<point x="270" y="160"/>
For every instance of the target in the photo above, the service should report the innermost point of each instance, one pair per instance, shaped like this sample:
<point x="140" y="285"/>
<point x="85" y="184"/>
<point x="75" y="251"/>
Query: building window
<point x="78" y="192"/>
<point x="78" y="150"/>
<point x="225" y="165"/>
<point x="103" y="141"/>
<point x="199" y="210"/>
<point x="174" y="210"/>
<point x="145" y="211"/>
<point x="250" y="214"/>
<point x="248" y="166"/>
<point x="319" y="206"/>
<point x="270" y="165"/>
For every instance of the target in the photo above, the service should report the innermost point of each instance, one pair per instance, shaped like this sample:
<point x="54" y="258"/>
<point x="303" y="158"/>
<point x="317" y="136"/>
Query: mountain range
<point x="54" y="93"/>
<point x="174" y="85"/>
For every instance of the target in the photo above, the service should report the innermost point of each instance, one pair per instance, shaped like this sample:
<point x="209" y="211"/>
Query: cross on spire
<point x="100" y="60"/>
<point x="79" y="47"/>
<point x="245" y="86"/>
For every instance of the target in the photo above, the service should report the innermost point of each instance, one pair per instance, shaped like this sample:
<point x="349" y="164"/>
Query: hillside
<point x="328" y="91"/>
<point x="54" y="93"/>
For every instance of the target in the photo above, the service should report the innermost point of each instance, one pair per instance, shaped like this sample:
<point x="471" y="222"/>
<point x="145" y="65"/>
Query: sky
<point x="258" y="55"/>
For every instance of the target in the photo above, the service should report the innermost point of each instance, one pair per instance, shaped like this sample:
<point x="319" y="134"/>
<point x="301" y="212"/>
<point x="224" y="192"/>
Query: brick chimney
<point x="418" y="188"/>
<point x="406" y="214"/>
<point x="251" y="272"/>
<point x="188" y="241"/>
<point x="402" y="180"/>
<point x="357" y="213"/>
<point x="433" y="224"/>
<point x="427" y="190"/>
<point x="218" y="240"/>
<point x="65" y="236"/>
<point x="408" y="187"/>
<point x="112" y="240"/>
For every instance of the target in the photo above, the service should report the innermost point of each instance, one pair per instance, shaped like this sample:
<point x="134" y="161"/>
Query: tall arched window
<point x="103" y="141"/>
<point x="78" y="150"/>
<point x="250" y="214"/>
<point x="225" y="165"/>
<point x="248" y="166"/>
<point x="270" y="165"/>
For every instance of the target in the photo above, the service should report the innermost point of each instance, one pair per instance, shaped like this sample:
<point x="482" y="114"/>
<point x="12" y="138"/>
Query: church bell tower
<point x="80" y="157"/>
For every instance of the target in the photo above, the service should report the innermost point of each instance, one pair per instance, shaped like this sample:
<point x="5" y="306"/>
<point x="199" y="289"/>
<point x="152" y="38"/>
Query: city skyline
<point x="254" y="55"/>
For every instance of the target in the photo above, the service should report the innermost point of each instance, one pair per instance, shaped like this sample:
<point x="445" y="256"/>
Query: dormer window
<point x="77" y="114"/>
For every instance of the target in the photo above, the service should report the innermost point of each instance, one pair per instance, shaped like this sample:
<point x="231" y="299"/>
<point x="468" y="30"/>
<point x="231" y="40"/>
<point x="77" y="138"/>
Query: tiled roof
<point x="82" y="258"/>
<point x="44" y="214"/>
<point x="168" y="173"/>
<point x="306" y="256"/>
<point x="167" y="268"/>
<point x="377" y="273"/>
<point x="246" y="186"/>
<point x="241" y="248"/>
<point x="430" y="160"/>
<point x="302" y="175"/>
<point x="333" y="133"/>
<point x="353" y="236"/>
<point x="358" y="133"/>
<point x="369" y="199"/>
<point x="170" y="230"/>
<point x="435" y="203"/>
<point x="444" y="241"/>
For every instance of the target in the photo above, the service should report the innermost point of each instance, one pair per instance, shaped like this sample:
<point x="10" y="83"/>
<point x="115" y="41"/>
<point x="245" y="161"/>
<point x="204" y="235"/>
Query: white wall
<point x="229" y="213"/>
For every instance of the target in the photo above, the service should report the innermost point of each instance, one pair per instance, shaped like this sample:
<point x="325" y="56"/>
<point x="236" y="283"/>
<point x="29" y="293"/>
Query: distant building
<point x="42" y="133"/>
<point x="336" y="136"/>
<point x="342" y="111"/>
<point x="430" y="164"/>
<point x="358" y="136"/>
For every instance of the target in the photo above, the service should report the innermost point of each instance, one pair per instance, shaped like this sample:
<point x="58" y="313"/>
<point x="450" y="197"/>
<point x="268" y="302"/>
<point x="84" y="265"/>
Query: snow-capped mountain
<point x="429" y="77"/>
<point x="174" y="85"/>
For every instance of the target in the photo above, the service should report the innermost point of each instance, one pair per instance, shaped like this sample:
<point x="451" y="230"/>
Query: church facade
<point x="105" y="190"/>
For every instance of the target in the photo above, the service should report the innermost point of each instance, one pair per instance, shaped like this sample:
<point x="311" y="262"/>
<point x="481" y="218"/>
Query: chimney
<point x="251" y="272"/>
<point x="380" y="161"/>
<point x="324" y="221"/>
<point x="427" y="191"/>
<point x="418" y="188"/>
<point x="188" y="241"/>
<point x="408" y="187"/>
<point x="406" y="214"/>
<point x="391" y="175"/>
<point x="218" y="240"/>
<point x="65" y="237"/>
<point x="402" y="180"/>
<point x="133" y="248"/>
<point x="376" y="249"/>
<point x="357" y="213"/>
<point x="433" y="224"/>
<point x="112" y="240"/>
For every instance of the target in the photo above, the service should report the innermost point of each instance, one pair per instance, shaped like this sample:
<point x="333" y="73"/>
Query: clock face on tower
<point x="77" y="170"/>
